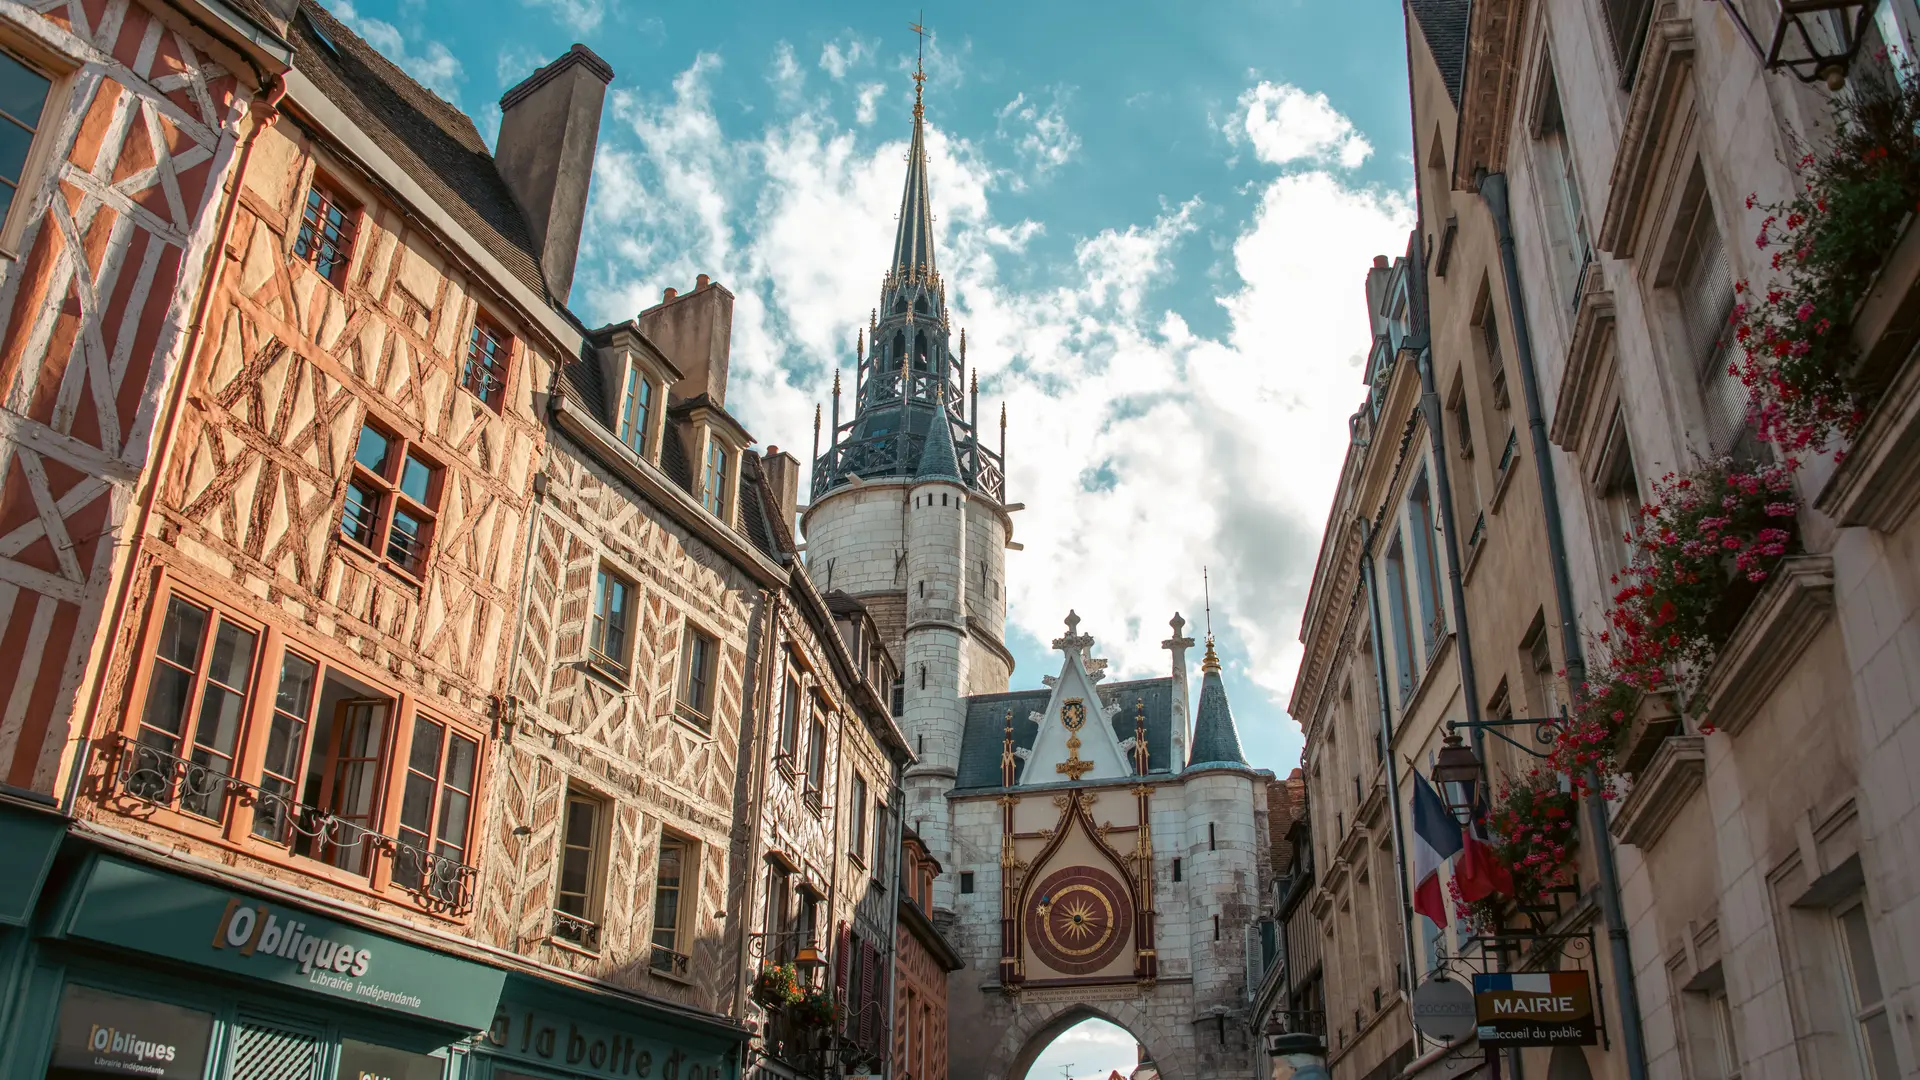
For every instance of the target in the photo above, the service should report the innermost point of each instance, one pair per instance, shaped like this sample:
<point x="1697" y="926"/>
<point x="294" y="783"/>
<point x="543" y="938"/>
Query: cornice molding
<point x="1791" y="610"/>
<point x="1677" y="770"/>
<point x="1589" y="368"/>
<point x="1878" y="485"/>
<point x="1489" y="87"/>
<point x="1655" y="109"/>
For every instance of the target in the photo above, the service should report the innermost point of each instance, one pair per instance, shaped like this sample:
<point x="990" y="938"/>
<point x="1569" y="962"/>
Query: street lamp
<point x="1817" y="40"/>
<point x="1458" y="771"/>
<point x="807" y="958"/>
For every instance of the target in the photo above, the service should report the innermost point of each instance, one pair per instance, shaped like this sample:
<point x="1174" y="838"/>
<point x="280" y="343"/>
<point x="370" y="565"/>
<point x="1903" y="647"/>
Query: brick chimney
<point x="695" y="330"/>
<point x="783" y="477"/>
<point x="549" y="127"/>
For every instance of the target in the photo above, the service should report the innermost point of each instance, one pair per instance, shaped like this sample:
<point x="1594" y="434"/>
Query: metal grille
<point x="266" y="1053"/>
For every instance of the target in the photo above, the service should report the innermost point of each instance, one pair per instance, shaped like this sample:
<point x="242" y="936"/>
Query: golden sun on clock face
<point x="1078" y="920"/>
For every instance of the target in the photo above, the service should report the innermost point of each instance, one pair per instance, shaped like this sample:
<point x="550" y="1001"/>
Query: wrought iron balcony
<point x="576" y="931"/>
<point x="672" y="964"/>
<point x="152" y="777"/>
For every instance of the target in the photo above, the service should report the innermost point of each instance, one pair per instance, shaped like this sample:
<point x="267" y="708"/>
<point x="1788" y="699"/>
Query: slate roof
<point x="434" y="143"/>
<point x="937" y="459"/>
<point x="913" y="242"/>
<point x="980" y="742"/>
<point x="1444" y="24"/>
<point x="1215" y="740"/>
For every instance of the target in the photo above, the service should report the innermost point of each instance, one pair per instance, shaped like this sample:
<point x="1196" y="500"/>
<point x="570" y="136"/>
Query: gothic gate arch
<point x="1036" y="1024"/>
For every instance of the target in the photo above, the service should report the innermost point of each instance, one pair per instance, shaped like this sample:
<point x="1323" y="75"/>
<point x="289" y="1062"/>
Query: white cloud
<point x="432" y="64"/>
<point x="1142" y="449"/>
<point x="1094" y="1048"/>
<point x="1286" y="124"/>
<point x="582" y="17"/>
<point x="784" y="73"/>
<point x="866" y="104"/>
<point x="836" y="59"/>
<point x="1039" y="134"/>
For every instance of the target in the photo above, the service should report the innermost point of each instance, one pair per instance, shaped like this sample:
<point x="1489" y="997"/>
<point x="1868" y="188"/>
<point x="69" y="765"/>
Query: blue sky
<point x="1154" y="220"/>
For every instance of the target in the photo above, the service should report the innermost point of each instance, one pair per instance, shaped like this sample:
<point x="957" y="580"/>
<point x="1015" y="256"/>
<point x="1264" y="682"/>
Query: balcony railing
<point x="1479" y="532"/>
<point x="576" y="931"/>
<point x="672" y="964"/>
<point x="153" y="777"/>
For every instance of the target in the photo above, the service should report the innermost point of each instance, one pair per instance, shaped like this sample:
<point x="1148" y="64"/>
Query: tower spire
<point x="913" y="243"/>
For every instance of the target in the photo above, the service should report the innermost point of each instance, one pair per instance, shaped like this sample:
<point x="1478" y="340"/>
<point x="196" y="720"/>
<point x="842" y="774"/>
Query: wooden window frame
<point x="857" y="818"/>
<point x="677" y="964"/>
<point x="639" y="380"/>
<point x="480" y="376"/>
<point x="615" y="666"/>
<point x="388" y="482"/>
<point x="819" y="731"/>
<point x="696" y="714"/>
<point x="172" y="794"/>
<point x="37" y="167"/>
<point x="720" y="503"/>
<point x="792" y="704"/>
<point x="343" y="241"/>
<point x="440" y="779"/>
<point x="372" y="875"/>
<point x="593" y="897"/>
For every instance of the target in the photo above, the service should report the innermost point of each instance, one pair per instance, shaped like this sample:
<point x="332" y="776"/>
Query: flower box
<point x="1791" y="610"/>
<point x="1878" y="483"/>
<point x="1653" y="722"/>
<point x="1677" y="768"/>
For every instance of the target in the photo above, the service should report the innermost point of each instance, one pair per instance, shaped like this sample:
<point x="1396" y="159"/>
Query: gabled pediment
<point x="1075" y="740"/>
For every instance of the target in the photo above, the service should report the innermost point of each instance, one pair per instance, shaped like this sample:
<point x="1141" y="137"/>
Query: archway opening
<point x="1092" y="1049"/>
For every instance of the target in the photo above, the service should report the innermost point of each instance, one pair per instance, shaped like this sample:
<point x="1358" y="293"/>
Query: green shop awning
<point x="555" y="1025"/>
<point x="30" y="834"/>
<point x="152" y="911"/>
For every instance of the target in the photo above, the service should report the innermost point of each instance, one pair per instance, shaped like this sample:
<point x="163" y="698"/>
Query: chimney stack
<point x="549" y="127"/>
<point x="695" y="330"/>
<point x="783" y="476"/>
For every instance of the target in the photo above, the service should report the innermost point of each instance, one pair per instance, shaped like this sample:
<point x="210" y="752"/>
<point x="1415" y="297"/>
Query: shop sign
<point x="652" y="1051"/>
<point x="156" y="912"/>
<point x="1549" y="1009"/>
<point x="1443" y="1009"/>
<point x="114" y="1035"/>
<point x="365" y="1061"/>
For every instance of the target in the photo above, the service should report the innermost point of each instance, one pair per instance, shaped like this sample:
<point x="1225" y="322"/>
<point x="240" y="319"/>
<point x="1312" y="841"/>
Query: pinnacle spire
<point x="1216" y="741"/>
<point x="913" y="243"/>
<point x="938" y="461"/>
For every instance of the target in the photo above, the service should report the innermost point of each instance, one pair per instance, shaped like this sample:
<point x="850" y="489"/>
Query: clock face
<point x="1078" y="920"/>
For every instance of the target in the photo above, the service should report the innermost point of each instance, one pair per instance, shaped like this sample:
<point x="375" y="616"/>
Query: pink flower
<point x="1804" y="311"/>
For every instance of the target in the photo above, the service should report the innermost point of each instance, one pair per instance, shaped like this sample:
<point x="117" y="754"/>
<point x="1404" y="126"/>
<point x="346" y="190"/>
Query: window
<point x="790" y="705"/>
<point x="966" y="881"/>
<point x="582" y="855"/>
<point x="636" y="410"/>
<point x="1433" y="623"/>
<point x="436" y="809"/>
<point x="779" y="906"/>
<point x="880" y="835"/>
<point x="1466" y="488"/>
<point x="23" y="105"/>
<point x="1537" y="657"/>
<point x="1211" y="846"/>
<point x="669" y="905"/>
<point x="1626" y="22"/>
<point x="488" y="349"/>
<point x="1873" y="1027"/>
<point x="1566" y="219"/>
<point x="713" y="488"/>
<point x="1486" y="322"/>
<point x="286" y="747"/>
<point x="699" y="655"/>
<point x="1216" y="928"/>
<point x="327" y="227"/>
<point x="857" y="820"/>
<point x="393" y="495"/>
<point x="1176" y="869"/>
<point x="196" y="704"/>
<point x="612" y="599"/>
<point x="1617" y="498"/>
<point x="1702" y="287"/>
<point x="816" y="754"/>
<point x="1397" y="610"/>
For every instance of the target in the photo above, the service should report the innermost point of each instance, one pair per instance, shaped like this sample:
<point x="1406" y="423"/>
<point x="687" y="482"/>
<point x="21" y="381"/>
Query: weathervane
<point x="919" y="66"/>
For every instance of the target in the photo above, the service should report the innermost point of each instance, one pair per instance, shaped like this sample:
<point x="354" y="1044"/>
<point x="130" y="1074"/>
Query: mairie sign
<point x="1552" y="1008"/>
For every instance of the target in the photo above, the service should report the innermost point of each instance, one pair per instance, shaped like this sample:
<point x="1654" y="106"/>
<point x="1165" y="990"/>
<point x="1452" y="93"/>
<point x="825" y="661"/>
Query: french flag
<point x="1479" y="874"/>
<point x="1436" y="838"/>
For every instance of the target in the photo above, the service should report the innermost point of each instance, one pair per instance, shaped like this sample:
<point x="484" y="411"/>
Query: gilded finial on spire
<point x="976" y="382"/>
<point x="919" y="70"/>
<point x="816" y="420"/>
<point x="963" y="352"/>
<point x="1210" y="662"/>
<point x="859" y="345"/>
<point x="836" y="382"/>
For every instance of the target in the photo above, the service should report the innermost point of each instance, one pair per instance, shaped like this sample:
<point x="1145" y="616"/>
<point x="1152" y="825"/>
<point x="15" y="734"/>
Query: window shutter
<point x="869" y="995"/>
<point x="261" y="1052"/>
<point x="842" y="960"/>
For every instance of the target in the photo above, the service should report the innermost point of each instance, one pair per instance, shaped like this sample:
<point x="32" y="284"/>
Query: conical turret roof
<point x="913" y="243"/>
<point x="938" y="461"/>
<point x="1215" y="739"/>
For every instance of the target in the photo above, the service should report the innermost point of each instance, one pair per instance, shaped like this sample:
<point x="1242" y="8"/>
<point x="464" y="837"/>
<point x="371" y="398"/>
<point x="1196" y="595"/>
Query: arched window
<point x="921" y="341"/>
<point x="920" y="305"/>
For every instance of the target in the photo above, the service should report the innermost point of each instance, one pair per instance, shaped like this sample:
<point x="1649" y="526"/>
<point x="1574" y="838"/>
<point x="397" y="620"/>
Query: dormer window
<point x="714" y="481"/>
<point x="636" y="410"/>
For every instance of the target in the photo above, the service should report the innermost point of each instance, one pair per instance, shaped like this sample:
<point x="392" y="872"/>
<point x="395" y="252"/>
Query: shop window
<point x="636" y="410"/>
<point x="583" y="840"/>
<point x="673" y="884"/>
<point x="185" y="1034"/>
<point x="699" y="662"/>
<point x="327" y="227"/>
<point x="196" y="705"/>
<point x="393" y="496"/>
<point x="857" y="820"/>
<point x="612" y="622"/>
<point x="436" y="810"/>
<point x="484" y="375"/>
<point x="24" y="93"/>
